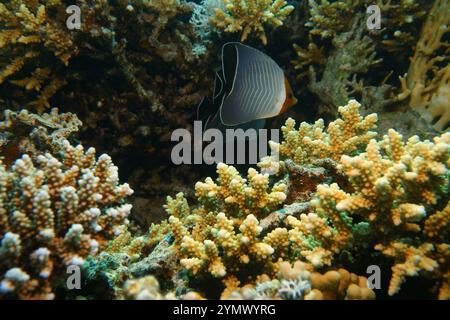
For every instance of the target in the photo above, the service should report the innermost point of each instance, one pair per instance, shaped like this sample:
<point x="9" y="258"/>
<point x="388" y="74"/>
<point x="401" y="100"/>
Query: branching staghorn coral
<point x="430" y="260"/>
<point x="389" y="198"/>
<point x="427" y="82"/>
<point x="247" y="16"/>
<point x="345" y="135"/>
<point x="189" y="239"/>
<point x="54" y="212"/>
<point x="375" y="201"/>
<point x="399" y="18"/>
<point x="30" y="34"/>
<point x="239" y="197"/>
<point x="26" y="132"/>
<point x="329" y="18"/>
<point x="342" y="74"/>
<point x="354" y="54"/>
<point x="400" y="23"/>
<point x="311" y="56"/>
<point x="395" y="185"/>
<point x="223" y="232"/>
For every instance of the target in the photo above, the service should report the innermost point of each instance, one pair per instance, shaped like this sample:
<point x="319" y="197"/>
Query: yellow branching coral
<point x="409" y="261"/>
<point x="393" y="190"/>
<point x="342" y="136"/>
<point x="427" y="82"/>
<point x="27" y="33"/>
<point x="311" y="55"/>
<point x="396" y="190"/>
<point x="328" y="18"/>
<point x="437" y="226"/>
<point x="237" y="196"/>
<point x="311" y="226"/>
<point x="54" y="211"/>
<point x="246" y="16"/>
<point x="394" y="186"/>
<point x="237" y="247"/>
<point x="127" y="244"/>
<point x="223" y="233"/>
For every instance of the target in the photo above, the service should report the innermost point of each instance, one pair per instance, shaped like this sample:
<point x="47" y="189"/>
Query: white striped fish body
<point x="258" y="88"/>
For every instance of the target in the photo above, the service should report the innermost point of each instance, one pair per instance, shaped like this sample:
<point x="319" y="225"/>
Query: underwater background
<point x="91" y="92"/>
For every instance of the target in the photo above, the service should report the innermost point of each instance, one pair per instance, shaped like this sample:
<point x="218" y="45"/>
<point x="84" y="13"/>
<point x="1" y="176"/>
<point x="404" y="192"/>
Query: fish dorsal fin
<point x="257" y="90"/>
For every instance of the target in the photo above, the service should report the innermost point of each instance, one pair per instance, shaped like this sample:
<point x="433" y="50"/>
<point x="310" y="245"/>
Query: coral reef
<point x="355" y="202"/>
<point x="355" y="185"/>
<point x="343" y="136"/>
<point x="55" y="211"/>
<point x="389" y="190"/>
<point x="427" y="81"/>
<point x="132" y="72"/>
<point x="213" y="244"/>
<point x="300" y="282"/>
<point x="250" y="16"/>
<point x="329" y="18"/>
<point x="354" y="55"/>
<point x="396" y="187"/>
<point x="32" y="32"/>
<point x="36" y="35"/>
<point x="25" y="132"/>
<point x="340" y="58"/>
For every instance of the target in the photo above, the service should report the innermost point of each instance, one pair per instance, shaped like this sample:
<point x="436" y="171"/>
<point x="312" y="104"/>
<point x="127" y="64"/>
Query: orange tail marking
<point x="290" y="98"/>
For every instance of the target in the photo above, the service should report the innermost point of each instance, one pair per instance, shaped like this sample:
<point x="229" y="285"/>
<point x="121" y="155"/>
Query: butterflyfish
<point x="249" y="88"/>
